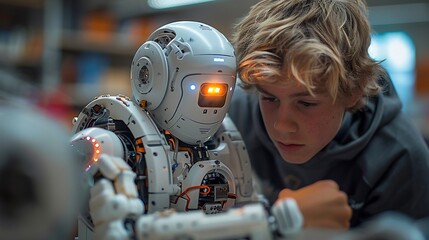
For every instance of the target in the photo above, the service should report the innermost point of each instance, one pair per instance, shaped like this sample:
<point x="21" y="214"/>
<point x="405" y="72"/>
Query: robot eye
<point x="213" y="89"/>
<point x="212" y="94"/>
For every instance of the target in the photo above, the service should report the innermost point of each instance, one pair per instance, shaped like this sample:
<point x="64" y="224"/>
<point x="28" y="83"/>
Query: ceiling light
<point x="162" y="4"/>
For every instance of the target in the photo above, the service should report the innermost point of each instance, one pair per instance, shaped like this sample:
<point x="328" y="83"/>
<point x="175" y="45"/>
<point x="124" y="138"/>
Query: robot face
<point x="185" y="76"/>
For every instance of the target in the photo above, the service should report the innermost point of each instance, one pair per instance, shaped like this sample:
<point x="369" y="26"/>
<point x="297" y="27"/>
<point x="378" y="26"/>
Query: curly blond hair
<point x="323" y="44"/>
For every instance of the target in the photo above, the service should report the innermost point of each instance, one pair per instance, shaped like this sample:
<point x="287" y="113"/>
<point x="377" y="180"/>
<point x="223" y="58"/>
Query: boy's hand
<point x="322" y="204"/>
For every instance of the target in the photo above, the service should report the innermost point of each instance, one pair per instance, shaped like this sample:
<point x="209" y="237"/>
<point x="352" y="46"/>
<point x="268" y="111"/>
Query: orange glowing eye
<point x="213" y="89"/>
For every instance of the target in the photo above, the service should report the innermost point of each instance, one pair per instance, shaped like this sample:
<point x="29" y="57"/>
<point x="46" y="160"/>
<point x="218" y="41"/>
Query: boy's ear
<point x="353" y="100"/>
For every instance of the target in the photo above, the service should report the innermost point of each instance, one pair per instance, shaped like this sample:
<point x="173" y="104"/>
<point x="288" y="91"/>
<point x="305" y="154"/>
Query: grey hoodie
<point x="378" y="157"/>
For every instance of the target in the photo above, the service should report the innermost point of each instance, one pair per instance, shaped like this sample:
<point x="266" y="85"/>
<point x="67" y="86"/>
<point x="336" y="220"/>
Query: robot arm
<point x="111" y="204"/>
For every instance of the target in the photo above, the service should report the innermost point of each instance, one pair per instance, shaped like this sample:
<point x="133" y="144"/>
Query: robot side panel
<point x="232" y="152"/>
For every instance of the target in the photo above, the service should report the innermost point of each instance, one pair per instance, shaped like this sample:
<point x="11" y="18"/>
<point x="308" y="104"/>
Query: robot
<point x="168" y="163"/>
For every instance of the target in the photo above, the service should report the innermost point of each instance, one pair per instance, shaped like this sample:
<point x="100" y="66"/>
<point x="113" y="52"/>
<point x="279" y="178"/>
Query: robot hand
<point x="113" y="198"/>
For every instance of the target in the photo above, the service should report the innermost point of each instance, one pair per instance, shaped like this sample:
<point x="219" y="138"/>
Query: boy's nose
<point x="284" y="121"/>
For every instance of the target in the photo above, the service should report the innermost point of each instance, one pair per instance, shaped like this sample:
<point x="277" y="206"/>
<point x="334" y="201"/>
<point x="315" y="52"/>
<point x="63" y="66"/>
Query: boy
<point x="326" y="115"/>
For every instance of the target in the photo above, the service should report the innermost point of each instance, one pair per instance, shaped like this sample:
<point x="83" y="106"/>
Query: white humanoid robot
<point x="169" y="163"/>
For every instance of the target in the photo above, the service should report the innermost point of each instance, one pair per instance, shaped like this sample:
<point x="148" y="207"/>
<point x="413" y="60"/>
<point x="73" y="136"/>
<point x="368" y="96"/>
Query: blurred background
<point x="61" y="54"/>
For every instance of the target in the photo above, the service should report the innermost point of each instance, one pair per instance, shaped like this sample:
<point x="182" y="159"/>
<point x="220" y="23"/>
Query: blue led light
<point x="193" y="87"/>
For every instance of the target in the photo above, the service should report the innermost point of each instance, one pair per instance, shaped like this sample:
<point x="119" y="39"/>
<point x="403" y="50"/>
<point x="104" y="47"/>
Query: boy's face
<point x="299" y="124"/>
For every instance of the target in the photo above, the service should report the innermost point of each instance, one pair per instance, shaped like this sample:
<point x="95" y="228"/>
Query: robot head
<point x="184" y="75"/>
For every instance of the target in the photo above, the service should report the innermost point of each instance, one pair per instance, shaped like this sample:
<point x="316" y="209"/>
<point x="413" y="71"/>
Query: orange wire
<point x="187" y="196"/>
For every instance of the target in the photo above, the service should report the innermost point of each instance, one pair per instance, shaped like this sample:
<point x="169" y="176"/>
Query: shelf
<point x="79" y="41"/>
<point x="113" y="82"/>
<point x="24" y="3"/>
<point x="19" y="61"/>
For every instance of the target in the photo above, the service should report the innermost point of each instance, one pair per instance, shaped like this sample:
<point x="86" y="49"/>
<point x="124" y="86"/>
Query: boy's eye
<point x="307" y="104"/>
<point x="268" y="98"/>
